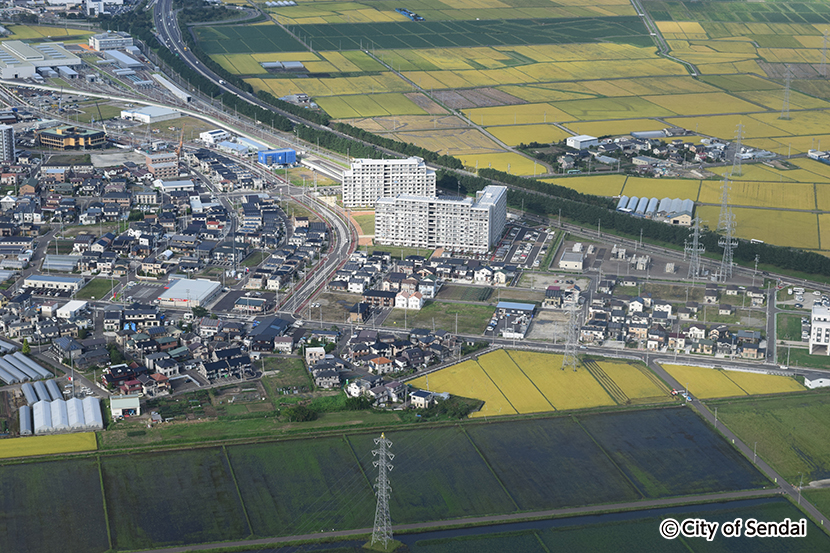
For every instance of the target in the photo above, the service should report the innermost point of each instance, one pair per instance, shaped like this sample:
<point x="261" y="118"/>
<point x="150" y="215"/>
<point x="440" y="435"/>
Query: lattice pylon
<point x="736" y="158"/>
<point x="571" y="359"/>
<point x="726" y="225"/>
<point x="382" y="531"/>
<point x="695" y="250"/>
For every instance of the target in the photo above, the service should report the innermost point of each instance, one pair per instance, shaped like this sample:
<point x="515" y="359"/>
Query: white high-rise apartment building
<point x="461" y="224"/>
<point x="6" y="143"/>
<point x="370" y="179"/>
<point x="820" y="330"/>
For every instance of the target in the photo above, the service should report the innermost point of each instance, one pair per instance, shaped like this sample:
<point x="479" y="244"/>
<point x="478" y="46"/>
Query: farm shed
<point x="92" y="413"/>
<point x="42" y="392"/>
<point x="125" y="406"/>
<point x="54" y="391"/>
<point x="13" y="371"/>
<point x="60" y="419"/>
<point x="75" y="414"/>
<point x="42" y="414"/>
<point x="37" y="368"/>
<point x="29" y="393"/>
<point x="25" y="421"/>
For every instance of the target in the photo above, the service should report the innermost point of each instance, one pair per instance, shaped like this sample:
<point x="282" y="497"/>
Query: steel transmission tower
<point x="726" y="224"/>
<point x="570" y="359"/>
<point x="823" y="67"/>
<point x="785" y="108"/>
<point x="382" y="531"/>
<point x="736" y="158"/>
<point x="694" y="250"/>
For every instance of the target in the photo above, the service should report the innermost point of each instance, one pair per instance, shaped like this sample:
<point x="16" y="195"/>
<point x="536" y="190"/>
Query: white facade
<point x="6" y="143"/>
<point x="370" y="179"/>
<point x="19" y="60"/>
<point x="51" y="282"/>
<point x="110" y="40"/>
<point x="432" y="222"/>
<point x="572" y="261"/>
<point x="214" y="137"/>
<point x="71" y="310"/>
<point x="581" y="142"/>
<point x="820" y="331"/>
<point x="150" y="114"/>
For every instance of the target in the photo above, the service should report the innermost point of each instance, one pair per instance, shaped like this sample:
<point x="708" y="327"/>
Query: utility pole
<point x="382" y="531"/>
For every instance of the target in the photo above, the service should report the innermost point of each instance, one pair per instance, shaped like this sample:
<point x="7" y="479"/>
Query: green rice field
<point x="294" y="487"/>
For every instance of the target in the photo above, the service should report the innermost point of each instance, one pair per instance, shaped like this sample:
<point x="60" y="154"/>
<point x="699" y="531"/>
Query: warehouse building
<point x="214" y="137"/>
<point x="187" y="293"/>
<point x="461" y="224"/>
<point x="72" y="310"/>
<point x="19" y="60"/>
<point x="123" y="60"/>
<point x="581" y="142"/>
<point x="572" y="261"/>
<point x="51" y="282"/>
<point x="168" y="186"/>
<point x="125" y="406"/>
<point x="150" y="114"/>
<point x="370" y="179"/>
<point x="284" y="156"/>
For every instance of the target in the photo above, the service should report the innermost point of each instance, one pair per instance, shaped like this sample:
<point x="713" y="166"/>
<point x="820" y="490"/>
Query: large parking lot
<point x="523" y="246"/>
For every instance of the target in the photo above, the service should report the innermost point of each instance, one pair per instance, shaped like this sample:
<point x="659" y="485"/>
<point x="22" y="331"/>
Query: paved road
<point x="493" y="519"/>
<point x="749" y="452"/>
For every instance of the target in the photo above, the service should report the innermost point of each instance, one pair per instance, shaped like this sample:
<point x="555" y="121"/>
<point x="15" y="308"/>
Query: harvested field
<point x="516" y="114"/>
<point x="425" y="103"/>
<point x="409" y="123"/>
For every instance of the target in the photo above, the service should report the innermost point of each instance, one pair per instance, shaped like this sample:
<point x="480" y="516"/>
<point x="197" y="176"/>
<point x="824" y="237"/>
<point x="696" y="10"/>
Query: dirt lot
<point x="549" y="325"/>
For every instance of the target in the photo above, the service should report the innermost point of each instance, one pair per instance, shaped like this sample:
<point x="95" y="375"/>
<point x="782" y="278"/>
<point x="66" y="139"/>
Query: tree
<point x="82" y="334"/>
<point x="200" y="312"/>
<point x="300" y="413"/>
<point x="26" y="349"/>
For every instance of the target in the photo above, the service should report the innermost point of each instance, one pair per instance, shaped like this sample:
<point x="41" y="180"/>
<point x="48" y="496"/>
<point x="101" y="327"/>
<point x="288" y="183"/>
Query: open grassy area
<point x="48" y="445"/>
<point x="255" y="258"/>
<point x="792" y="432"/>
<point x="471" y="319"/>
<point x="788" y="327"/>
<point x="367" y="223"/>
<point x="60" y="247"/>
<point x="97" y="288"/>
<point x="290" y="373"/>
<point x="800" y="357"/>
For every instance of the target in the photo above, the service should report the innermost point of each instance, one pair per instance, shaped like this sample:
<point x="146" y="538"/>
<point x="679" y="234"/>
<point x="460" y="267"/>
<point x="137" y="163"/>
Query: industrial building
<point x="51" y="282"/>
<point x="370" y="179"/>
<point x="125" y="406"/>
<point x="68" y="137"/>
<point x="173" y="89"/>
<point x="19" y="60"/>
<point x="463" y="224"/>
<point x="57" y="416"/>
<point x="123" y="60"/>
<point x="581" y="142"/>
<point x="571" y="261"/>
<point x="188" y="293"/>
<point x="111" y="40"/>
<point x="214" y="137"/>
<point x="150" y="114"/>
<point x="285" y="156"/>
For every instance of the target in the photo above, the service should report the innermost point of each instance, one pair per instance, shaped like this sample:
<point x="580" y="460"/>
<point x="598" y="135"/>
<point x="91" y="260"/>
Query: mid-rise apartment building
<point x="820" y="330"/>
<point x="463" y="224"/>
<point x="370" y="179"/>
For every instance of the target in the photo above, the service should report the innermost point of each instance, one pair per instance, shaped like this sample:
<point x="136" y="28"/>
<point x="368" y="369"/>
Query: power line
<point x="785" y="108"/>
<point x="726" y="224"/>
<point x="694" y="250"/>
<point x="570" y="359"/>
<point x="382" y="531"/>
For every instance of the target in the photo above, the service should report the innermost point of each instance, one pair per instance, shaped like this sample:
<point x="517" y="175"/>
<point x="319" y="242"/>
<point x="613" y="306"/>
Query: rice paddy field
<point x="527" y="71"/>
<point x="516" y="381"/>
<point x="792" y="432"/>
<point x="299" y="486"/>
<point x="48" y="445"/>
<point x="708" y="383"/>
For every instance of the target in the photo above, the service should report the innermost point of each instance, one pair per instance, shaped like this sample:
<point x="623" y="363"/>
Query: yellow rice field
<point x="704" y="383"/>
<point x="541" y="93"/>
<point x="823" y="201"/>
<point x="712" y="383"/>
<point x="761" y="194"/>
<point x="764" y="173"/>
<point x="564" y="389"/>
<point x="799" y="124"/>
<point x="600" y="109"/>
<point x="773" y="99"/>
<point x="368" y="105"/>
<point x="754" y="383"/>
<point x="466" y="141"/>
<point x="406" y="123"/>
<point x="787" y="145"/>
<point x="600" y="185"/>
<point x="521" y="114"/>
<point x="797" y="229"/>
<point x="334" y="86"/>
<point x="661" y="188"/>
<point x="633" y="383"/>
<point x="615" y="127"/>
<point x="468" y="379"/>
<point x="514" y="384"/>
<point x="515" y="164"/>
<point x="48" y="445"/>
<point x="725" y="126"/>
<point x="703" y="104"/>
<point x="824" y="229"/>
<point x="516" y="134"/>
